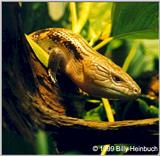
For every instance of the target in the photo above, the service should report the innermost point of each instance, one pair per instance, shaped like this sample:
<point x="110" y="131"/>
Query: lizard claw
<point x="52" y="76"/>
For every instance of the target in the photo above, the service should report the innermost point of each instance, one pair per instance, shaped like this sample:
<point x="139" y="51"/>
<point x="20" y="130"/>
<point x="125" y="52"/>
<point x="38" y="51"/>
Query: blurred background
<point x="127" y="33"/>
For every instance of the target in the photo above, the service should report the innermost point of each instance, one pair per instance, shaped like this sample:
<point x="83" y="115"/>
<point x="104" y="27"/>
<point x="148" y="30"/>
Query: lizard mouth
<point x="116" y="94"/>
<point x="110" y="93"/>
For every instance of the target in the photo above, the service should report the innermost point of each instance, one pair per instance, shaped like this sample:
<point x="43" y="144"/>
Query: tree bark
<point x="30" y="100"/>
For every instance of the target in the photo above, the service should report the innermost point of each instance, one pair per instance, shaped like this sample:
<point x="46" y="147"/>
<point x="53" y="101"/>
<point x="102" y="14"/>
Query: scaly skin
<point x="89" y="70"/>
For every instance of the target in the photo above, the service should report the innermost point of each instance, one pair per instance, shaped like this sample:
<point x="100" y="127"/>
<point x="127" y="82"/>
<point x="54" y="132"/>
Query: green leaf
<point x="144" y="59"/>
<point x="144" y="108"/>
<point x="83" y="13"/>
<point x="150" y="47"/>
<point x="153" y="111"/>
<point x="102" y="12"/>
<point x="93" y="101"/>
<point x="96" y="114"/>
<point x="41" y="142"/>
<point x="39" y="52"/>
<point x="114" y="44"/>
<point x="148" y="111"/>
<point x="135" y="20"/>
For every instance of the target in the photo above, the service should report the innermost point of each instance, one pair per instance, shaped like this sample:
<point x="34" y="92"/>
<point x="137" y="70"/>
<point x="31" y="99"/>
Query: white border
<point x="69" y="1"/>
<point x="81" y="1"/>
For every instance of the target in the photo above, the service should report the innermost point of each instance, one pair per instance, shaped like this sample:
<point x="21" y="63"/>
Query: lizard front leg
<point x="56" y="58"/>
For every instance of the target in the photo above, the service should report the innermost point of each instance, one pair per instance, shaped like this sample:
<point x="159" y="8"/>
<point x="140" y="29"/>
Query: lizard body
<point x="88" y="69"/>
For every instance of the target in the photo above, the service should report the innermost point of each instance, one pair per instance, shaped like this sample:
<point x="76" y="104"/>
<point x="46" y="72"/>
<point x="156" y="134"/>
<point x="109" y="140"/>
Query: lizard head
<point x="106" y="79"/>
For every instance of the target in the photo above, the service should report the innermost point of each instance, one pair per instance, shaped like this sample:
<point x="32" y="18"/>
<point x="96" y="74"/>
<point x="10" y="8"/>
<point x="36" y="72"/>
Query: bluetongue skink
<point x="88" y="69"/>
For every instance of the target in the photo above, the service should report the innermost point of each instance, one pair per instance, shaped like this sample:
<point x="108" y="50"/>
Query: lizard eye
<point x="116" y="79"/>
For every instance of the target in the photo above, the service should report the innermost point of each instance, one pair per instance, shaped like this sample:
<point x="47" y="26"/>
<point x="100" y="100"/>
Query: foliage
<point x="114" y="29"/>
<point x="135" y="20"/>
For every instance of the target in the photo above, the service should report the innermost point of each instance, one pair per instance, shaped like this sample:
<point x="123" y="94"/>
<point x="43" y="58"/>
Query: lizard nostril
<point x="137" y="91"/>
